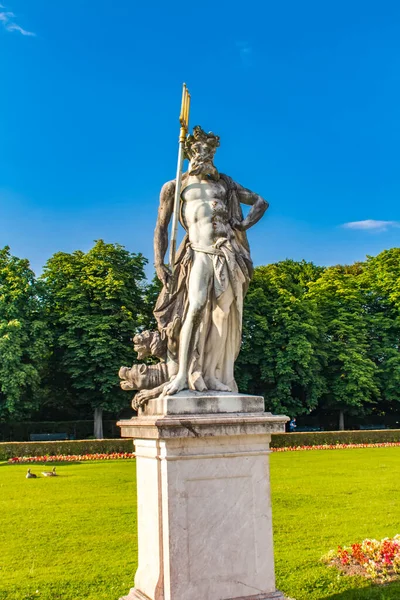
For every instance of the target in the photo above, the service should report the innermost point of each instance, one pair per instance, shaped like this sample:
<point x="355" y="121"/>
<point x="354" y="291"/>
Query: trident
<point x="184" y="121"/>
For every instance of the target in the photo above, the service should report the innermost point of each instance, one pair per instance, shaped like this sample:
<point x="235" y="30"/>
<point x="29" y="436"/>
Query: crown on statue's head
<point x="199" y="135"/>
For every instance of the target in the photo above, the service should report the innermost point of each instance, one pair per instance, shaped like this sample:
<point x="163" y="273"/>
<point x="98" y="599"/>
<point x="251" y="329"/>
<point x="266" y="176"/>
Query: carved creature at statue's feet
<point x="215" y="384"/>
<point x="176" y="385"/>
<point x="127" y="385"/>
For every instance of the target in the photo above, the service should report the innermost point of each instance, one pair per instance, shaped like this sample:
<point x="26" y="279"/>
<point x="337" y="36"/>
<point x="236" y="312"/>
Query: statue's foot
<point x="215" y="384"/>
<point x="176" y="385"/>
<point x="199" y="384"/>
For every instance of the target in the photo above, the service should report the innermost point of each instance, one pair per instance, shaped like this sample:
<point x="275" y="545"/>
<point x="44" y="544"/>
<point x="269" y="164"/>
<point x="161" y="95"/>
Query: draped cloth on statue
<point x="232" y="270"/>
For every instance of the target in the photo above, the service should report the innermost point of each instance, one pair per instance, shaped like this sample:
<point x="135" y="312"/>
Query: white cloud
<point x="6" y="16"/>
<point x="371" y="225"/>
<point x="7" y="19"/>
<point x="15" y="27"/>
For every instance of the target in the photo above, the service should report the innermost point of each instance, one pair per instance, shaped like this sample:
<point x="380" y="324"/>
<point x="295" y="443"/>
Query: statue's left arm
<point x="258" y="207"/>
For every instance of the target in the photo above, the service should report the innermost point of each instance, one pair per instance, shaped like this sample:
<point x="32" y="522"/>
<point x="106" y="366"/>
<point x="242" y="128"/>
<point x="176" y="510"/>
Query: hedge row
<point x="13" y="449"/>
<point x="279" y="440"/>
<point x="78" y="430"/>
<point x="317" y="438"/>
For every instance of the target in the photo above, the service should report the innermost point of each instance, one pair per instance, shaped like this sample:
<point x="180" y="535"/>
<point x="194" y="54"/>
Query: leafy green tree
<point x="151" y="293"/>
<point x="350" y="373"/>
<point x="24" y="339"/>
<point x="381" y="283"/>
<point x="282" y="355"/>
<point x="384" y="273"/>
<point x="93" y="303"/>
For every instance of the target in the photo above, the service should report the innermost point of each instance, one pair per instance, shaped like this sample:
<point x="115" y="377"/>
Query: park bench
<point x="48" y="437"/>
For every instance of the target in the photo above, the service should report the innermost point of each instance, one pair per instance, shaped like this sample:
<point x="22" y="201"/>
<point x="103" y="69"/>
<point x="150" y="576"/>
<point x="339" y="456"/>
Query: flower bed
<point x="69" y="458"/>
<point x="336" y="447"/>
<point x="377" y="560"/>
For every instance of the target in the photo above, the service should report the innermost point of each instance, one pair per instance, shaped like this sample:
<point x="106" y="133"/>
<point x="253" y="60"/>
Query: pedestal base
<point x="204" y="508"/>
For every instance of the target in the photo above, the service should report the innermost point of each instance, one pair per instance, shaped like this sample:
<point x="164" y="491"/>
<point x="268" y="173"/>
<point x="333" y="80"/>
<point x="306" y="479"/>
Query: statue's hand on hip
<point x="236" y="224"/>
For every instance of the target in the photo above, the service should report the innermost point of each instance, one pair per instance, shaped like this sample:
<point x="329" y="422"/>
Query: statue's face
<point x="141" y="345"/>
<point x="201" y="162"/>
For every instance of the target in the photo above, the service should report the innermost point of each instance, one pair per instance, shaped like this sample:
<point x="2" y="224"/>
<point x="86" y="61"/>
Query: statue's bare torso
<point x="204" y="211"/>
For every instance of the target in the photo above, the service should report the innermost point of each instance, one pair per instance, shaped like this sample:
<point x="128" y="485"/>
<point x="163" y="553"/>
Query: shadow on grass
<point x="390" y="591"/>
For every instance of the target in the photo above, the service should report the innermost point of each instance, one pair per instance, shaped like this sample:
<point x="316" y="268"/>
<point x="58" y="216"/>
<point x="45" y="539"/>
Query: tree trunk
<point x="341" y="420"/>
<point x="98" y="423"/>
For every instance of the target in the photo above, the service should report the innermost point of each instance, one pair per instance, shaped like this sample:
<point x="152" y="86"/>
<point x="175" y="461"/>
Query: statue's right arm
<point x="165" y="211"/>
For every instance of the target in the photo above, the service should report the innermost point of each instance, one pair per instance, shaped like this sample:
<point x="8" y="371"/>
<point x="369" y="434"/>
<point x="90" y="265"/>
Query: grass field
<point x="74" y="537"/>
<point x="325" y="498"/>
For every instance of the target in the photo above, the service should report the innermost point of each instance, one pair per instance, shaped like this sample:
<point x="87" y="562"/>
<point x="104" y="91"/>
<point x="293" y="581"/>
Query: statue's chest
<point x="203" y="191"/>
<point x="202" y="202"/>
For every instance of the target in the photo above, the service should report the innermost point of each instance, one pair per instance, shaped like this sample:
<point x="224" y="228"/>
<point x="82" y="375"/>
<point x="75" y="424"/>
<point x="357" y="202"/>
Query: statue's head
<point x="200" y="148"/>
<point x="149" y="343"/>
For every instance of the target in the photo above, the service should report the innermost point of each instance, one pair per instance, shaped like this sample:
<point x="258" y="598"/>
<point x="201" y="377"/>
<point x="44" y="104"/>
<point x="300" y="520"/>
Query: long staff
<point x="184" y="121"/>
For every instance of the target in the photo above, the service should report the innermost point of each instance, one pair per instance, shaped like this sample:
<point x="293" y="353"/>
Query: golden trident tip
<point x="184" y="115"/>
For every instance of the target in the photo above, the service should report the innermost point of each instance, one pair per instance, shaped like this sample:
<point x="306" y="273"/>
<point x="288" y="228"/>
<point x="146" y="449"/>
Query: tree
<point x="24" y="340"/>
<point x="381" y="283"/>
<point x="282" y="355"/>
<point x="151" y="293"/>
<point x="350" y="373"/>
<point x="384" y="272"/>
<point x="93" y="305"/>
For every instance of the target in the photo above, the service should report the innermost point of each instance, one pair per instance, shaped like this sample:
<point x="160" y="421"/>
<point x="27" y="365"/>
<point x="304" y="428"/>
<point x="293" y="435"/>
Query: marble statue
<point x="199" y="310"/>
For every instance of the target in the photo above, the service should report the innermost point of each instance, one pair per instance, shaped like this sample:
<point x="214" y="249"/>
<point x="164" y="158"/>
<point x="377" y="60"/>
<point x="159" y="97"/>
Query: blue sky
<point x="304" y="95"/>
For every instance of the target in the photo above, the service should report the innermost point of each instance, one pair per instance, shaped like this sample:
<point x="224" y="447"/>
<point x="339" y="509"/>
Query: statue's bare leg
<point x="198" y="289"/>
<point x="218" y="337"/>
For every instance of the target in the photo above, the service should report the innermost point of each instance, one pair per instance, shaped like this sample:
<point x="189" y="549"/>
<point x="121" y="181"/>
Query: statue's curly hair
<point x="199" y="135"/>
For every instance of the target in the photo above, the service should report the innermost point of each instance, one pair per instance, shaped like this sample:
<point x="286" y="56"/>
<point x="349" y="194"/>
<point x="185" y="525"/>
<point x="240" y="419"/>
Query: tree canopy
<point x="350" y="373"/>
<point x="24" y="337"/>
<point x="93" y="306"/>
<point x="282" y="354"/>
<point x="324" y="337"/>
<point x="381" y="287"/>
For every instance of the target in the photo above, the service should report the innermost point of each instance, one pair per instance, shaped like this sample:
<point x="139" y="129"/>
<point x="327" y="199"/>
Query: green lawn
<point x="329" y="497"/>
<point x="74" y="537"/>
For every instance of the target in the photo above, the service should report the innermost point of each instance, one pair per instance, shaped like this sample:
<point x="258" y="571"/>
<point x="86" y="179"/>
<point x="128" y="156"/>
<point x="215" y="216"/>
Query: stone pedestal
<point x="204" y="507"/>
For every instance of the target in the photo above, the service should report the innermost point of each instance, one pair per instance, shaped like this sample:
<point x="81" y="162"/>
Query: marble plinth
<point x="204" y="509"/>
<point x="200" y="403"/>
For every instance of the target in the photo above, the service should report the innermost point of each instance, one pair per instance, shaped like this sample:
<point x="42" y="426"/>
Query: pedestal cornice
<point x="238" y="414"/>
